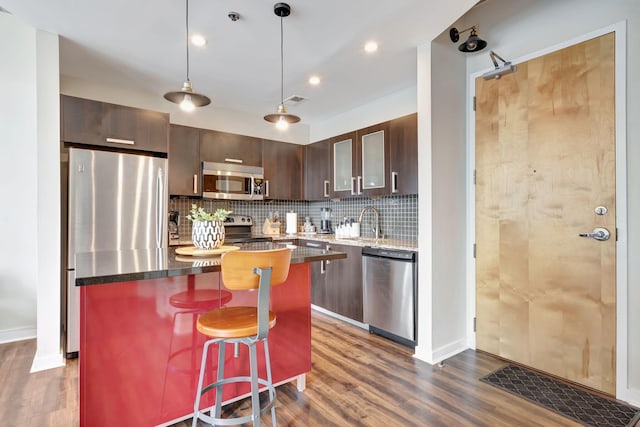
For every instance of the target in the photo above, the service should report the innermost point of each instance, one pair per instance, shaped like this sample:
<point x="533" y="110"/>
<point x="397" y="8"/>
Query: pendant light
<point x="186" y="97"/>
<point x="281" y="118"/>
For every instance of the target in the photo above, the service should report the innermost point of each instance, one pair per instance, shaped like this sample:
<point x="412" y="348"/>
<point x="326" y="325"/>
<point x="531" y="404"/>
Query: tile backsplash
<point x="398" y="214"/>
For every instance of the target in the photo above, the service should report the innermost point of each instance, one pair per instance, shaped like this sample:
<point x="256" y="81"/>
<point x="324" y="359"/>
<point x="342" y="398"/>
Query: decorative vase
<point x="207" y="234"/>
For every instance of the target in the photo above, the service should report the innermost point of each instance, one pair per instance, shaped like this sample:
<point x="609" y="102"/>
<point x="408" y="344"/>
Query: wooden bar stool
<point x="243" y="270"/>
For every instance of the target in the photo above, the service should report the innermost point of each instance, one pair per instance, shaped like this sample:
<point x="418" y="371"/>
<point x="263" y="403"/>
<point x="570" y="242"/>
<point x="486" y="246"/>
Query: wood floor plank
<point x="357" y="379"/>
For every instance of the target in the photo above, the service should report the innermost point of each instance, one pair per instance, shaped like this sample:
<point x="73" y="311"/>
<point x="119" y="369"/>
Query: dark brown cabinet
<point x="224" y="147"/>
<point x="317" y="170"/>
<point x="403" y="154"/>
<point x="86" y="121"/>
<point x="375" y="161"/>
<point x="184" y="161"/>
<point x="336" y="285"/>
<point x="283" y="170"/>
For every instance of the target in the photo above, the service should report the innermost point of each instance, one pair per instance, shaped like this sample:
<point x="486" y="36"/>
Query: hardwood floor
<point x="48" y="398"/>
<point x="357" y="379"/>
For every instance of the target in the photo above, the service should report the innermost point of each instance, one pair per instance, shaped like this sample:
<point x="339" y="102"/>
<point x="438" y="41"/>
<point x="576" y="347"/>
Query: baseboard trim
<point x="17" y="334"/>
<point x="632" y="397"/>
<point x="340" y="317"/>
<point x="49" y="361"/>
<point x="446" y="351"/>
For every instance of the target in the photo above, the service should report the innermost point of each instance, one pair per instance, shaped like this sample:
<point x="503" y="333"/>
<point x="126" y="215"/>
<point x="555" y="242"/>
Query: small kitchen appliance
<point x="232" y="181"/>
<point x="325" y="220"/>
<point x="173" y="225"/>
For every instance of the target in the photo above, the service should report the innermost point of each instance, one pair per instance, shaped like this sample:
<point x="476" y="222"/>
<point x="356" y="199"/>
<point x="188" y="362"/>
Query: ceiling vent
<point x="295" y="99"/>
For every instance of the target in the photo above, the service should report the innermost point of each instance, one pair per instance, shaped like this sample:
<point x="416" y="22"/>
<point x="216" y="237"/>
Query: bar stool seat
<point x="232" y="322"/>
<point x="243" y="270"/>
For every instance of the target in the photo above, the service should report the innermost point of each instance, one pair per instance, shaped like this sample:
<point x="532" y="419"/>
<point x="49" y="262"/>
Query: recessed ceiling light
<point x="371" y="47"/>
<point x="314" y="80"/>
<point x="198" y="40"/>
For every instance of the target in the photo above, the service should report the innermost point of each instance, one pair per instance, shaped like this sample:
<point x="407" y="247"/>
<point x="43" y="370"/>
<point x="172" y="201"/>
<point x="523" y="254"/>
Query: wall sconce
<point x="472" y="44"/>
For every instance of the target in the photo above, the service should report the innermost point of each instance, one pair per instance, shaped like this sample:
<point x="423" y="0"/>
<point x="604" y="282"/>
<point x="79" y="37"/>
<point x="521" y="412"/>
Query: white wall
<point x="209" y="117"/>
<point x="448" y="166"/>
<point x="392" y="106"/>
<point x="48" y="352"/>
<point x="29" y="184"/>
<point x="18" y="181"/>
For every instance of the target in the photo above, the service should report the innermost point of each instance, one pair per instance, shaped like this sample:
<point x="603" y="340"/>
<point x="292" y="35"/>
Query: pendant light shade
<point x="186" y="97"/>
<point x="281" y="118"/>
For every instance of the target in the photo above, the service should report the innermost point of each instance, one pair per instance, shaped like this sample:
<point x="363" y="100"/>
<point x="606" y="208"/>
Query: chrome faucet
<point x="376" y="227"/>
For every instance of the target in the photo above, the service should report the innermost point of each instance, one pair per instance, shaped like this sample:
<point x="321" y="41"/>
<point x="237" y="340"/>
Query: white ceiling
<point x="141" y="44"/>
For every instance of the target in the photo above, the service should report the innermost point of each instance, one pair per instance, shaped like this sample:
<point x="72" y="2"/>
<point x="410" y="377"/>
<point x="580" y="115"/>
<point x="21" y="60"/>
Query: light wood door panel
<point x="545" y="158"/>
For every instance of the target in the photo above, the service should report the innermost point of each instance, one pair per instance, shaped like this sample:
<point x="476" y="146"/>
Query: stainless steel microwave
<point x="232" y="181"/>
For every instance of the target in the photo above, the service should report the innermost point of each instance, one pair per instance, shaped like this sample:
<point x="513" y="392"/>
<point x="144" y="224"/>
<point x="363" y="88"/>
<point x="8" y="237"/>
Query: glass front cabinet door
<point x="343" y="171"/>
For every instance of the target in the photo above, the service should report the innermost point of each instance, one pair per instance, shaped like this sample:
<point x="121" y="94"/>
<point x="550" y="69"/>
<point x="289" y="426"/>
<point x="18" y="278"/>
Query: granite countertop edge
<point x="97" y="268"/>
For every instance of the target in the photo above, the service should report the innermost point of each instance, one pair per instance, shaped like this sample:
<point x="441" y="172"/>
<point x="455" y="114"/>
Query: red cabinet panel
<point x="140" y="351"/>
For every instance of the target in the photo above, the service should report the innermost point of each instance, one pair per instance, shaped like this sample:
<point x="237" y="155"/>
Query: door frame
<point x="620" y="29"/>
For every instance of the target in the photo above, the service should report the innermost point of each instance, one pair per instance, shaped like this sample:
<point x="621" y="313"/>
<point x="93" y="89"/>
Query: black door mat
<point x="562" y="398"/>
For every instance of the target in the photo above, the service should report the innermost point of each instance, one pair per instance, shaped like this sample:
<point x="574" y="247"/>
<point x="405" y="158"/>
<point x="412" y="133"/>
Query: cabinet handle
<point x="326" y="188"/>
<point x="266" y="188"/>
<point x="233" y="160"/>
<point x="313" y="245"/>
<point x="394" y="182"/>
<point x="121" y="141"/>
<point x="353" y="185"/>
<point x="323" y="268"/>
<point x="359" y="185"/>
<point x="195" y="183"/>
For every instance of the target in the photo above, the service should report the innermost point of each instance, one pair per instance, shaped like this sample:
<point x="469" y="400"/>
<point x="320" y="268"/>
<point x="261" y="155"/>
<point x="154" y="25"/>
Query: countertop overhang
<point x="94" y="268"/>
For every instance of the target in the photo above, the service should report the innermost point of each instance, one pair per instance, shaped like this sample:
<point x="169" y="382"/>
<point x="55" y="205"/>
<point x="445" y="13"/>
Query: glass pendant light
<point x="281" y="118"/>
<point x="186" y="97"/>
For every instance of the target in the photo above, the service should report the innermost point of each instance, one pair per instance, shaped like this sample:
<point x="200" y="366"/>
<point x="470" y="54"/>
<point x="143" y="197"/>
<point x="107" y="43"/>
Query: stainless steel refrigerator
<point x="115" y="201"/>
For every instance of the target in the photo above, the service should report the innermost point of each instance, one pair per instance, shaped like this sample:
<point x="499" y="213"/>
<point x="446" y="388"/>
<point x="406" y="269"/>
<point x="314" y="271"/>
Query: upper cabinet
<point x="283" y="170"/>
<point x="373" y="160"/>
<point x="85" y="121"/>
<point x="226" y="147"/>
<point x="184" y="161"/>
<point x="360" y="162"/>
<point x="317" y="170"/>
<point x="403" y="155"/>
<point x="343" y="163"/>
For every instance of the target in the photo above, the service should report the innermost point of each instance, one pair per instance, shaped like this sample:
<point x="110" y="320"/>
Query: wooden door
<point x="545" y="159"/>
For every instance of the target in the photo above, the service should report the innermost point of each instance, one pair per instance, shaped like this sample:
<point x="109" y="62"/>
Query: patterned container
<point x="207" y="234"/>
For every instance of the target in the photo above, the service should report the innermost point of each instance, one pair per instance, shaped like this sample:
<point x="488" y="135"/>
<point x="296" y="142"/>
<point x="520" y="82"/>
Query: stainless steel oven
<point x="232" y="181"/>
<point x="237" y="230"/>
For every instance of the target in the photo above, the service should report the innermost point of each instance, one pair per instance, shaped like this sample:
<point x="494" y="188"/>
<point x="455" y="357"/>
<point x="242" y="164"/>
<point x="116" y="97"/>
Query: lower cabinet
<point x="337" y="285"/>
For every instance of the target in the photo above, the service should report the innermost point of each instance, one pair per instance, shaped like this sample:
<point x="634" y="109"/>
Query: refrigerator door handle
<point x="159" y="207"/>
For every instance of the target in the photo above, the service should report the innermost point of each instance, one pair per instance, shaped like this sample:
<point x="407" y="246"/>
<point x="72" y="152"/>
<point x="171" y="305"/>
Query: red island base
<point x="140" y="350"/>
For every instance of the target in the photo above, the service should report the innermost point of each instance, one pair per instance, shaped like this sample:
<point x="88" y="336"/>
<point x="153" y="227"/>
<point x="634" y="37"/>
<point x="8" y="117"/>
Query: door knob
<point x="598" y="233"/>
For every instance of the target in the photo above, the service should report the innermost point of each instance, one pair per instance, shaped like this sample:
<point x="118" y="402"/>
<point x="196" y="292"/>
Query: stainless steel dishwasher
<point x="389" y="278"/>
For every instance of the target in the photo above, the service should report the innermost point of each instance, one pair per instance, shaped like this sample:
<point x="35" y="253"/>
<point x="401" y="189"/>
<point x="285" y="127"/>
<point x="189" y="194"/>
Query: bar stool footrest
<point x="240" y="420"/>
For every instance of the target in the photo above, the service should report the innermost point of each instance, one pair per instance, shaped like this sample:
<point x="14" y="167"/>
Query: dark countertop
<point x="93" y="268"/>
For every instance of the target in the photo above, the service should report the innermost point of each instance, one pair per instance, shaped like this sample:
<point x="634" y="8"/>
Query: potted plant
<point x="208" y="228"/>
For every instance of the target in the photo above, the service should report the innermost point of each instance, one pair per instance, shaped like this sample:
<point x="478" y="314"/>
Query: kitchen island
<point x="139" y="348"/>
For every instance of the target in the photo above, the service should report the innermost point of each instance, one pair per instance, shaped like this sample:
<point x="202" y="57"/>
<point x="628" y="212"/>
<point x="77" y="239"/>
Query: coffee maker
<point x="173" y="225"/>
<point x="325" y="220"/>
